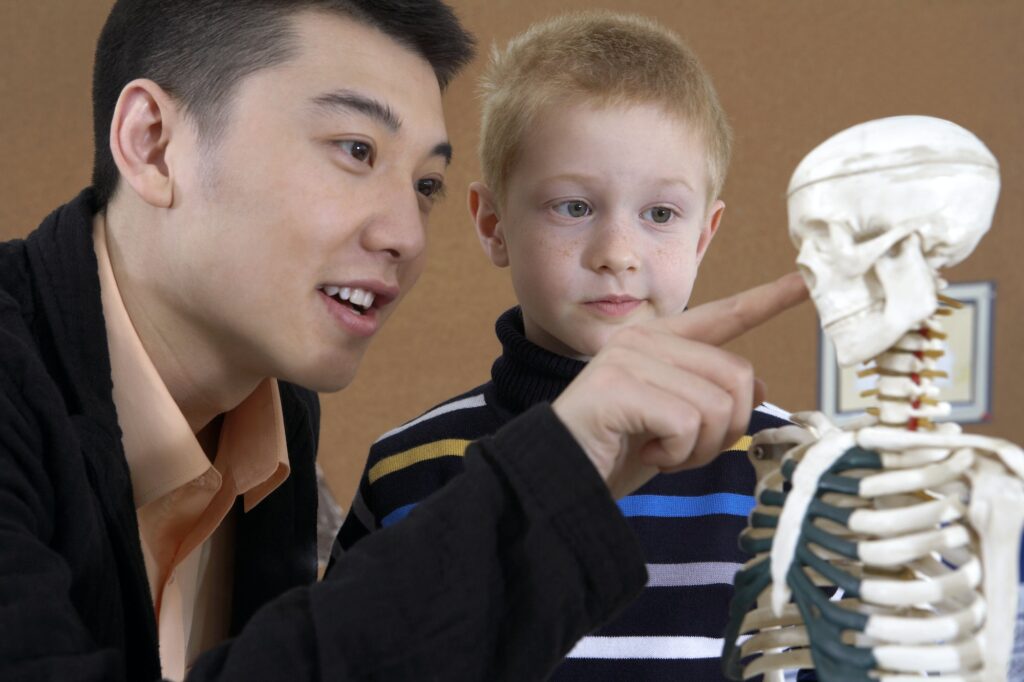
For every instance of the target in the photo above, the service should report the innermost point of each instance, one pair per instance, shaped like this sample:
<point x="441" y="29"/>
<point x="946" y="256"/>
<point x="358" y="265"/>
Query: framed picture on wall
<point x="967" y="362"/>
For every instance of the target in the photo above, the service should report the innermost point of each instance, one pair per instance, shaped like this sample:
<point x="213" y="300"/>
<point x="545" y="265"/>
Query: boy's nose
<point x="612" y="249"/>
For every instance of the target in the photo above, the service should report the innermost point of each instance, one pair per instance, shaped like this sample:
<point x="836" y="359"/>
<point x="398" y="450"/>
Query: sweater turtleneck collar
<point x="525" y="373"/>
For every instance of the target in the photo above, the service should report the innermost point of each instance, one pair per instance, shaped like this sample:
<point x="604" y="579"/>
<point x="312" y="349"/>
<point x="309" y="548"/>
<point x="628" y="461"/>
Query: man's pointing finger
<point x="723" y="320"/>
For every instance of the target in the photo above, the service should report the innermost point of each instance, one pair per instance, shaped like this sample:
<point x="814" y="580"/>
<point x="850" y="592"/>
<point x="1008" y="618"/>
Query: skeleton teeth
<point x="331" y="290"/>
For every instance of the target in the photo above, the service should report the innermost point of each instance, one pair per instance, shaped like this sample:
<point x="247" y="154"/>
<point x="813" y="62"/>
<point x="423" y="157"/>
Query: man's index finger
<point x="721" y="321"/>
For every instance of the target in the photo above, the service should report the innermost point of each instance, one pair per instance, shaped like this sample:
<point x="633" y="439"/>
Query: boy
<point x="604" y="150"/>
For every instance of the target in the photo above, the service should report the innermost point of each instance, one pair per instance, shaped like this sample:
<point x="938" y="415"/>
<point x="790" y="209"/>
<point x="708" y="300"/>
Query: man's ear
<point x="715" y="212"/>
<point x="140" y="131"/>
<point x="483" y="208"/>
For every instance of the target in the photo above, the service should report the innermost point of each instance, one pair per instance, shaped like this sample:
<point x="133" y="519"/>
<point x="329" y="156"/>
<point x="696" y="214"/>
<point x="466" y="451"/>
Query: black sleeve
<point x="493" y="578"/>
<point x="42" y="636"/>
<point x="352" y="528"/>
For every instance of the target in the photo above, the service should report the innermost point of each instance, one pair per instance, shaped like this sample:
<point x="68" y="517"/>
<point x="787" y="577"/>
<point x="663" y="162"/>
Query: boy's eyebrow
<point x="584" y="178"/>
<point x="349" y="100"/>
<point x="674" y="181"/>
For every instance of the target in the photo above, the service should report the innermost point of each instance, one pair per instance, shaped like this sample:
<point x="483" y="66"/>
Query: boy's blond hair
<point x="605" y="58"/>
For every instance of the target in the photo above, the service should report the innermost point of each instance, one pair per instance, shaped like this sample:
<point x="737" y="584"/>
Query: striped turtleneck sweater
<point x="687" y="522"/>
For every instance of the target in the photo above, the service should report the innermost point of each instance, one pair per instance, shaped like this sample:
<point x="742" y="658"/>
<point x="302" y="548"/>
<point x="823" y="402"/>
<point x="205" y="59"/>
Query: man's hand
<point x="662" y="396"/>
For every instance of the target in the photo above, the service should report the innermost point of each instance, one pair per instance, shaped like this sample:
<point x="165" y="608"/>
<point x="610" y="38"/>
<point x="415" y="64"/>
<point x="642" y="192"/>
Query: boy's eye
<point x="658" y="214"/>
<point x="430" y="187"/>
<point x="573" y="209"/>
<point x="358" y="150"/>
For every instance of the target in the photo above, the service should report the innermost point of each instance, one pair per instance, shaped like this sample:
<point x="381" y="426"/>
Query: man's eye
<point x="658" y="214"/>
<point x="573" y="209"/>
<point x="358" y="150"/>
<point x="430" y="187"/>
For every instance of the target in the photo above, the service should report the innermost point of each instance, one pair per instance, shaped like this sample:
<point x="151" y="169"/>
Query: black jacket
<point x="501" y="593"/>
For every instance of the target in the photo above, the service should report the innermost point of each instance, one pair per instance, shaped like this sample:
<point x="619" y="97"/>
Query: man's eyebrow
<point x="349" y="100"/>
<point x="443" y="149"/>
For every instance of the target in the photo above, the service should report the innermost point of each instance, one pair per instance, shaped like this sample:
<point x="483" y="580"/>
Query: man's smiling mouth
<point x="359" y="300"/>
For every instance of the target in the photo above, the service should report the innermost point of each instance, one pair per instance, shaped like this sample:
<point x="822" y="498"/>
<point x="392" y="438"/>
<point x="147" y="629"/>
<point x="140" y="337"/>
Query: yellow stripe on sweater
<point x="743" y="444"/>
<point x="449" y="447"/>
<point x="456" y="447"/>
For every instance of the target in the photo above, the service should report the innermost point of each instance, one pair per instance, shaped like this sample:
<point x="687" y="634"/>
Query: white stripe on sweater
<point x="692" y="574"/>
<point x="362" y="512"/>
<point x="464" y="404"/>
<point x="647" y="647"/>
<point x="479" y="401"/>
<point x="773" y="410"/>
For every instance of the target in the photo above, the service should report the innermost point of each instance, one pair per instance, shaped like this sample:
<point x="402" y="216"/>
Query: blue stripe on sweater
<point x="662" y="506"/>
<point x="672" y="506"/>
<point x="397" y="515"/>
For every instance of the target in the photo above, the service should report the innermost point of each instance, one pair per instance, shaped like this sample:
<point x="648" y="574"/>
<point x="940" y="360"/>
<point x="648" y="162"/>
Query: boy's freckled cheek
<point x="676" y="252"/>
<point x="674" y="265"/>
<point x="665" y="254"/>
<point x="572" y="249"/>
<point x="556" y="249"/>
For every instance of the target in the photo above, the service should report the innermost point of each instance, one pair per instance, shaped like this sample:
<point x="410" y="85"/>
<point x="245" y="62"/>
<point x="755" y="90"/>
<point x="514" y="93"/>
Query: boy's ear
<point x="710" y="228"/>
<point x="140" y="132"/>
<point x="483" y="208"/>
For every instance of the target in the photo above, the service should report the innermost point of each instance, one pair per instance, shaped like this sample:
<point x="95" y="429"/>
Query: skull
<point x="875" y="211"/>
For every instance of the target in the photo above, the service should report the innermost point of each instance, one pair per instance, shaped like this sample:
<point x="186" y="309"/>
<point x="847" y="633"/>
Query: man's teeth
<point x="354" y="295"/>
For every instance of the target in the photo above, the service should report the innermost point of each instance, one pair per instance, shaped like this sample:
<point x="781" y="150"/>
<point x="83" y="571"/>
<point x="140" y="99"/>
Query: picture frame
<point x="968" y="362"/>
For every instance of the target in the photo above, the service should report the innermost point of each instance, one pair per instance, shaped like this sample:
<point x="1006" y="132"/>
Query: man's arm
<point x="500" y="573"/>
<point x="42" y="635"/>
<point x="495" y="577"/>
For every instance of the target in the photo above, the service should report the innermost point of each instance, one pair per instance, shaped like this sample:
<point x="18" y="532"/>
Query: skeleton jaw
<point x="866" y="306"/>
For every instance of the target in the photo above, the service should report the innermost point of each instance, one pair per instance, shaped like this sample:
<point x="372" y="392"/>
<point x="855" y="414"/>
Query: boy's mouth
<point x="615" y="298"/>
<point x="614" y="305"/>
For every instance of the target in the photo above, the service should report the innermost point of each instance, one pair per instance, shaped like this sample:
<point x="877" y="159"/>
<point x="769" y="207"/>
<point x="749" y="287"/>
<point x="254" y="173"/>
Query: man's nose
<point x="398" y="227"/>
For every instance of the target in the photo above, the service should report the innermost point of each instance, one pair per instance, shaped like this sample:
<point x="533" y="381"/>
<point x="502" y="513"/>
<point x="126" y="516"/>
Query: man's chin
<point x="324" y="387"/>
<point x="323" y="379"/>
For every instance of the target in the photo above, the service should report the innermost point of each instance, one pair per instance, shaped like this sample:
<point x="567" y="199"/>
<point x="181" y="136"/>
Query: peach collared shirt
<point x="181" y="499"/>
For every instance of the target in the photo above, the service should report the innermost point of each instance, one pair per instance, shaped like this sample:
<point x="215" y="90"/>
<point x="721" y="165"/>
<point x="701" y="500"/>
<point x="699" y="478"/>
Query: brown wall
<point x="790" y="73"/>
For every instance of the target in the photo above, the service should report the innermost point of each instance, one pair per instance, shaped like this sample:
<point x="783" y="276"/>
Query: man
<point x="263" y="178"/>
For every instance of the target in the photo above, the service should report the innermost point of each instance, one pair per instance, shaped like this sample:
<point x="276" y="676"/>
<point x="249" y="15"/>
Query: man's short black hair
<point x="198" y="50"/>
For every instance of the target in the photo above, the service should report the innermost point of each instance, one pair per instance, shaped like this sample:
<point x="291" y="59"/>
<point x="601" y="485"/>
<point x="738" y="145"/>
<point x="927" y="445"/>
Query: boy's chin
<point x="583" y="348"/>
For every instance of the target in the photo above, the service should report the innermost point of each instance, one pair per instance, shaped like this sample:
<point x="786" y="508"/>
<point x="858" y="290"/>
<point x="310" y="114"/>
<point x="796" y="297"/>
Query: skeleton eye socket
<point x="815" y="230"/>
<point x="873" y="229"/>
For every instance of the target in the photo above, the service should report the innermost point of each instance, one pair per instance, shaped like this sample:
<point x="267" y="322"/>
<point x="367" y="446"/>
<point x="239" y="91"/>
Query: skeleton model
<point x="887" y="549"/>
